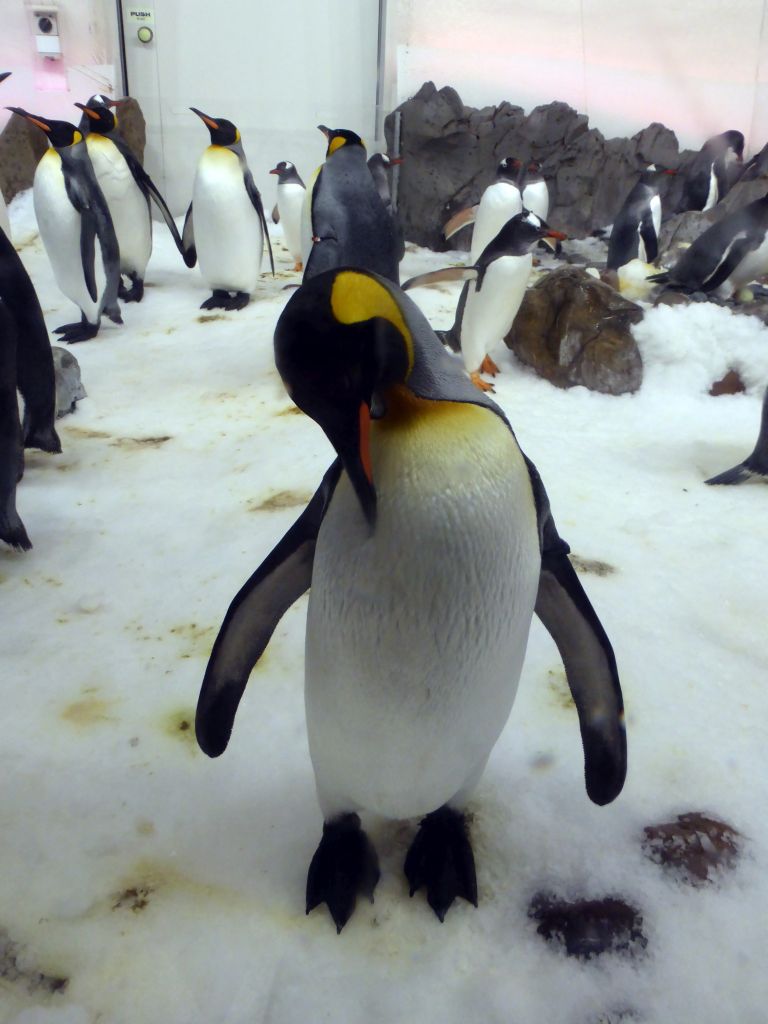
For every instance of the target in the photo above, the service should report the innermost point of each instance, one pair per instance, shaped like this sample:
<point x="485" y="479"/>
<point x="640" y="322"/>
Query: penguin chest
<point x="499" y="203"/>
<point x="59" y="224"/>
<point x="290" y="203"/>
<point x="127" y="204"/>
<point x="536" y="198"/>
<point x="754" y="265"/>
<point x="228" y="233"/>
<point x="417" y="630"/>
<point x="489" y="312"/>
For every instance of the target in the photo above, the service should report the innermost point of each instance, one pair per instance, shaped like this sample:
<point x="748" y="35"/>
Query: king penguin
<point x="712" y="171"/>
<point x="727" y="256"/>
<point x="350" y="223"/>
<point x="72" y="213"/>
<point x="755" y="466"/>
<point x="635" y="233"/>
<point x="225" y="223"/>
<point x="428" y="545"/>
<point x="5" y="224"/>
<point x="128" y="190"/>
<point x="291" y="191"/>
<point x="494" y="291"/>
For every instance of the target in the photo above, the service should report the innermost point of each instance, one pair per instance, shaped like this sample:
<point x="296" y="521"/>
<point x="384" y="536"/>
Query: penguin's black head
<point x="4" y="75"/>
<point x="340" y="344"/>
<point x="283" y="170"/>
<point x="61" y="134"/>
<point x="101" y="120"/>
<point x="223" y="133"/>
<point x="508" y="168"/>
<point x="338" y="137"/>
<point x="735" y="141"/>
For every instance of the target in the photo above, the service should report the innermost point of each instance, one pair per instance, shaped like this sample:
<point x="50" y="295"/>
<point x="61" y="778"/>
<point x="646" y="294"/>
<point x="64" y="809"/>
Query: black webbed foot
<point x="133" y="294"/>
<point x="344" y="864"/>
<point x="239" y="300"/>
<point x="441" y="858"/>
<point x="81" y="331"/>
<point x="218" y="300"/>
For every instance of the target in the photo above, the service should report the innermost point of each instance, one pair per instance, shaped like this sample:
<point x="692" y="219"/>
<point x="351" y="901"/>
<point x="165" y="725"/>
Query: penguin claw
<point x="478" y="381"/>
<point x="441" y="859"/>
<point x="344" y="864"/>
<point x="488" y="366"/>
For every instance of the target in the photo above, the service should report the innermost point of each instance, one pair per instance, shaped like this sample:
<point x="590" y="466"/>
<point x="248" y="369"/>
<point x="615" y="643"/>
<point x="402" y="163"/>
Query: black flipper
<point x="588" y="658"/>
<point x="740" y="248"/>
<point x="280" y="580"/>
<point x="344" y="864"/>
<point x="88" y="251"/>
<point x="756" y="464"/>
<point x="11" y="452"/>
<point x="255" y="196"/>
<point x="189" y="252"/>
<point x="441" y="858"/>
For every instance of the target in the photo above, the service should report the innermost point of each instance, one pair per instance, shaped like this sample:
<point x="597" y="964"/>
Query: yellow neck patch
<point x="356" y="297"/>
<point x="406" y="411"/>
<point x="336" y="143"/>
<point x="76" y="137"/>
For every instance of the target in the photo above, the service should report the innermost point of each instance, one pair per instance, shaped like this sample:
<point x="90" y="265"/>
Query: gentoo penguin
<point x="5" y="224"/>
<point x="727" y="256"/>
<point x="225" y="222"/>
<point x="291" y="191"/>
<point x="635" y="233"/>
<point x="33" y="360"/>
<point x="498" y="204"/>
<point x="128" y="190"/>
<point x="72" y="213"/>
<point x="379" y="165"/>
<point x="533" y="189"/>
<point x="712" y="172"/>
<point x="495" y="289"/>
<point x="756" y="166"/>
<point x="755" y="466"/>
<point x="350" y="223"/>
<point x="428" y="545"/>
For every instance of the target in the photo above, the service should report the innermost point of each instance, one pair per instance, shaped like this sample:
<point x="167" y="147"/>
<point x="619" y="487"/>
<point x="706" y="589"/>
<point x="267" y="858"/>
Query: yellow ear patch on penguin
<point x="76" y="137"/>
<point x="336" y="143"/>
<point x="356" y="297"/>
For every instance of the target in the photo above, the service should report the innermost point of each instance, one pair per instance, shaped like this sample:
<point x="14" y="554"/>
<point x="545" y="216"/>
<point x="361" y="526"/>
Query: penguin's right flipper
<point x="444" y="274"/>
<point x="255" y="196"/>
<point x="88" y="251"/>
<point x="188" y="239"/>
<point x="458" y="221"/>
<point x="648" y="235"/>
<point x="283" y="576"/>
<point x="732" y="257"/>
<point x="588" y="657"/>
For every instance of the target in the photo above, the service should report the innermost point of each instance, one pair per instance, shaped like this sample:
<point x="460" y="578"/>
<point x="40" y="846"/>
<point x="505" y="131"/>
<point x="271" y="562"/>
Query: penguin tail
<point x="12" y="530"/>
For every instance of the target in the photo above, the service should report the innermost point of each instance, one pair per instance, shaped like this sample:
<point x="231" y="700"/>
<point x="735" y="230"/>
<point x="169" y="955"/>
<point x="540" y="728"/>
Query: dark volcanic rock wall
<point x="451" y="151"/>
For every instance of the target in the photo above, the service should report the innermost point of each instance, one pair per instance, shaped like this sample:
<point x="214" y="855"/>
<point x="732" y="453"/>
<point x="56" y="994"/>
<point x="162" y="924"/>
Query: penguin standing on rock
<point x="72" y="213"/>
<point x="225" y="223"/>
<point x="712" y="172"/>
<point x="349" y="222"/>
<point x="128" y="190"/>
<point x="635" y="233"/>
<point x="428" y="545"/>
<point x="727" y="256"/>
<point x="291" y="191"/>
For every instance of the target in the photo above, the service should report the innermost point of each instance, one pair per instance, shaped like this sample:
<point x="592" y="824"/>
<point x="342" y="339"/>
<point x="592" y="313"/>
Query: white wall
<point x="87" y="30"/>
<point x="699" y="66"/>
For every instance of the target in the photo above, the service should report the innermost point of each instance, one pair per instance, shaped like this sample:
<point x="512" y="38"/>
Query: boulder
<point x="69" y="387"/>
<point x="696" y="847"/>
<point x="588" y="928"/>
<point x="21" y="146"/>
<point x="574" y="329"/>
<point x="132" y="126"/>
<point x="451" y="152"/>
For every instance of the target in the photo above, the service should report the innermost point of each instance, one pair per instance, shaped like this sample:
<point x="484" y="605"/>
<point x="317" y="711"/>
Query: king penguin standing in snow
<point x="127" y="189"/>
<point x="428" y="545"/>
<point x="225" y="223"/>
<point x="72" y="213"/>
<point x="350" y="224"/>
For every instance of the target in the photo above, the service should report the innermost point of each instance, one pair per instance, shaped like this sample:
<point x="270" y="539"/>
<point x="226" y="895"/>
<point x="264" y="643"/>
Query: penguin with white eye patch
<point x="428" y="546"/>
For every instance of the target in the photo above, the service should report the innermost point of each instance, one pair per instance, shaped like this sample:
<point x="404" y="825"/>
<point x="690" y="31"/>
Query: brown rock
<point x="573" y="329"/>
<point x="588" y="928"/>
<point x="132" y="126"/>
<point x="21" y="146"/>
<point x="696" y="847"/>
<point x="730" y="384"/>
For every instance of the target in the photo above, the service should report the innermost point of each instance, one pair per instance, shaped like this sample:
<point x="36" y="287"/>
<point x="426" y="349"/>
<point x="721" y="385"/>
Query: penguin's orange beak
<point x="30" y="117"/>
<point x="204" y="117"/>
<point x="559" y="235"/>
<point x="94" y="116"/>
<point x="396" y="160"/>
<point x="274" y="171"/>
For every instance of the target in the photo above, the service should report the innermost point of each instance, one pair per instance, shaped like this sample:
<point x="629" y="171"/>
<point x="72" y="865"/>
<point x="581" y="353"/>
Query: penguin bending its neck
<point x="71" y="213"/>
<point x="225" y="224"/>
<point x="350" y="224"/>
<point x="428" y="545"/>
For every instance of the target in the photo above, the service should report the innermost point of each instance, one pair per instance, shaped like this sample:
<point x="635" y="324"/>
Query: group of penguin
<point x="429" y="543"/>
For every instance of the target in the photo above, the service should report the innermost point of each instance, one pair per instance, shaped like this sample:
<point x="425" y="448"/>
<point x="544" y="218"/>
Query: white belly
<point x="489" y="313"/>
<point x="498" y="204"/>
<point x="713" y="193"/>
<point x="5" y="224"/>
<point x="228" y="234"/>
<point x="127" y="204"/>
<point x="754" y="265"/>
<point x="290" y="202"/>
<point x="536" y="199"/>
<point x="59" y="224"/>
<point x="416" y="633"/>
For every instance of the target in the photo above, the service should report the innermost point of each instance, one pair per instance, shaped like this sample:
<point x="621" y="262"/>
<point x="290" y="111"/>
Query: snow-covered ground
<point x="169" y="888"/>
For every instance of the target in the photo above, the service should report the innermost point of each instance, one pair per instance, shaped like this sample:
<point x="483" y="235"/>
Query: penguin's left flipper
<point x="444" y="274"/>
<point x="732" y="257"/>
<point x="189" y="251"/>
<point x="255" y="196"/>
<point x="151" y="191"/>
<point x="588" y="658"/>
<point x="283" y="576"/>
<point x="648" y="235"/>
<point x="88" y="250"/>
